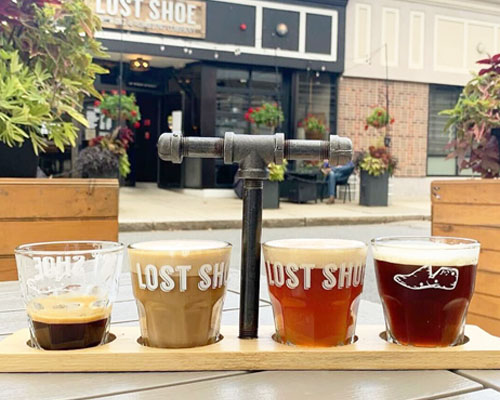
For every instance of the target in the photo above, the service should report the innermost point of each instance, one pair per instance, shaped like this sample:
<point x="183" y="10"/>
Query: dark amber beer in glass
<point x="315" y="287"/>
<point x="425" y="285"/>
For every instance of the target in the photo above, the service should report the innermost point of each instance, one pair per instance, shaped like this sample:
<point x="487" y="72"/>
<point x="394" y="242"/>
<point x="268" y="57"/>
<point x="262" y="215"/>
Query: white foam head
<point x="320" y="251"/>
<point x="194" y="253"/>
<point x="180" y="245"/>
<point x="426" y="251"/>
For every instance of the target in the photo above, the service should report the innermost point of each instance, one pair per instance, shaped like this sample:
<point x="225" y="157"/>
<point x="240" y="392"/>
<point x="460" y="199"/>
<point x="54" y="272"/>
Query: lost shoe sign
<point x="166" y="17"/>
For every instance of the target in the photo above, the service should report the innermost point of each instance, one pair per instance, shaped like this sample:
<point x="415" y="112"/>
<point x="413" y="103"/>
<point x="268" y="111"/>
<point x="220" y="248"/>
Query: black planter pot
<point x="374" y="190"/>
<point x="271" y="195"/>
<point x="18" y="162"/>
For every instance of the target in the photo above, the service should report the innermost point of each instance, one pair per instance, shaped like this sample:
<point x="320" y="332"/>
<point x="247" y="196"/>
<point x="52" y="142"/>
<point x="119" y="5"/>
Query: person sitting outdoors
<point x="335" y="176"/>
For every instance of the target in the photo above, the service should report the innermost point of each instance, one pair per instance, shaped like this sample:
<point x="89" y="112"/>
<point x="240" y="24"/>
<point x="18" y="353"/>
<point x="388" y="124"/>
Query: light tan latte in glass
<point x="179" y="287"/>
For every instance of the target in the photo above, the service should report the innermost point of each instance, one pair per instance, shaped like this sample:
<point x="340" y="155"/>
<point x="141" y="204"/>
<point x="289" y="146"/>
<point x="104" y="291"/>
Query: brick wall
<point x="408" y="104"/>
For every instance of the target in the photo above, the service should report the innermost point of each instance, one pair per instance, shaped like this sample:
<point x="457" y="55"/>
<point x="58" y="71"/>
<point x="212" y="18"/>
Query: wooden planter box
<point x="40" y="210"/>
<point x="471" y="209"/>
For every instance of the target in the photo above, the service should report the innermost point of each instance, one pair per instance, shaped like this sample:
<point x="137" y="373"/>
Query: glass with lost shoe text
<point x="315" y="288"/>
<point x="69" y="289"/>
<point x="425" y="284"/>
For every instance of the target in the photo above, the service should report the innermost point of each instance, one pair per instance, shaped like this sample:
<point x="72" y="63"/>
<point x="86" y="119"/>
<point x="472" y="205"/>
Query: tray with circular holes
<point x="123" y="352"/>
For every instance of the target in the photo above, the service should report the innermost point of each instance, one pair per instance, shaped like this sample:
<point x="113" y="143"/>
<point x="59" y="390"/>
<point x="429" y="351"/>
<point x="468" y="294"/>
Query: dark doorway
<point x="169" y="174"/>
<point x="145" y="160"/>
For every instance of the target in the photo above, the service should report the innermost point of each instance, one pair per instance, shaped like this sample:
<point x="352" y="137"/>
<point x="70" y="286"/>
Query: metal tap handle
<point x="271" y="148"/>
<point x="252" y="153"/>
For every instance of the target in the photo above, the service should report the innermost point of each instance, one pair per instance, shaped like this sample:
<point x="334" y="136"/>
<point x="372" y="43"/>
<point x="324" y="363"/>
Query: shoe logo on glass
<point x="444" y="278"/>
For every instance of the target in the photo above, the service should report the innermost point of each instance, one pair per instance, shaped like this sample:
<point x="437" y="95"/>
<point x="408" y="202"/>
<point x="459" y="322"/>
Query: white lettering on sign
<point x="171" y="17"/>
<point x="345" y="275"/>
<point x="167" y="278"/>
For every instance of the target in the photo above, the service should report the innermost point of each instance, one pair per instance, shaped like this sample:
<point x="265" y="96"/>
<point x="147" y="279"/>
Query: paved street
<point x="357" y="232"/>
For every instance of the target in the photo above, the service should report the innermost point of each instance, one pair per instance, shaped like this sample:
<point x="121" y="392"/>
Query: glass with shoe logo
<point x="425" y="284"/>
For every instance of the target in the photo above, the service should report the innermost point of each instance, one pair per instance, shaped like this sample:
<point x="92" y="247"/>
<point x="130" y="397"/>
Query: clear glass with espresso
<point x="315" y="287"/>
<point x="179" y="287"/>
<point x="68" y="289"/>
<point x="426" y="285"/>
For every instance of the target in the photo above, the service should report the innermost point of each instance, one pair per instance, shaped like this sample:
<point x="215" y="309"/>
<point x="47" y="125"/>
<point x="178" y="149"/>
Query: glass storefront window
<point x="441" y="97"/>
<point x="237" y="91"/>
<point x="315" y="96"/>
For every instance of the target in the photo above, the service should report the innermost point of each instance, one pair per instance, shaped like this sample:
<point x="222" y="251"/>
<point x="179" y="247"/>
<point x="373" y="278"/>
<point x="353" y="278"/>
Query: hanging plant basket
<point x="378" y="118"/>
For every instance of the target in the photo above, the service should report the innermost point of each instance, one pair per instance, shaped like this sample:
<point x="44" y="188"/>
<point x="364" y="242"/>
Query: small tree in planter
<point x="475" y="120"/>
<point x="46" y="70"/>
<point x="375" y="166"/>
<point x="271" y="192"/>
<point x="314" y="128"/>
<point x="268" y="115"/>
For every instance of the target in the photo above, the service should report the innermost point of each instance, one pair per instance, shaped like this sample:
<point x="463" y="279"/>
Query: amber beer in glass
<point x="315" y="287"/>
<point x="425" y="285"/>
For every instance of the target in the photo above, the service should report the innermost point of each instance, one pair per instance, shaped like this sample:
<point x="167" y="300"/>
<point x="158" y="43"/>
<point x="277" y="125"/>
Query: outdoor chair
<point x="347" y="185"/>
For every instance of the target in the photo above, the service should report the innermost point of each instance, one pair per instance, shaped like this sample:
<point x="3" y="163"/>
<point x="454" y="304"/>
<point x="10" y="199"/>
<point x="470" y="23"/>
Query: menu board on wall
<point x="167" y="17"/>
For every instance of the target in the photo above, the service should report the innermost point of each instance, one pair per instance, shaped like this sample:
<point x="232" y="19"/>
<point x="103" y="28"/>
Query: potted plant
<point x="125" y="114"/>
<point x="97" y="162"/>
<point x="475" y="122"/>
<point x="113" y="146"/>
<point x="471" y="207"/>
<point x="314" y="128"/>
<point x="271" y="192"/>
<point x="46" y="70"/>
<point x="375" y="167"/>
<point x="265" y="119"/>
<point x="378" y="118"/>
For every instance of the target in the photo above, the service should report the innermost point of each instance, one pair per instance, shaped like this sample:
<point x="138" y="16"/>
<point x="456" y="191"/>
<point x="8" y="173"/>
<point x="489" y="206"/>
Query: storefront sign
<point x="167" y="17"/>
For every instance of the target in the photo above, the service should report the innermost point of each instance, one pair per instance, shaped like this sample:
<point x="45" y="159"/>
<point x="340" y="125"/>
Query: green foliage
<point x="376" y="161"/>
<point x="268" y="114"/>
<point x="46" y="70"/>
<point x="113" y="103"/>
<point x="374" y="166"/>
<point x="277" y="172"/>
<point x="477" y="111"/>
<point x="378" y="118"/>
<point x="313" y="124"/>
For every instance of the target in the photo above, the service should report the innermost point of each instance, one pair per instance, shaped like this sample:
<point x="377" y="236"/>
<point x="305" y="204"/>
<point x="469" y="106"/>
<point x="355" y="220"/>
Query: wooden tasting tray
<point x="370" y="352"/>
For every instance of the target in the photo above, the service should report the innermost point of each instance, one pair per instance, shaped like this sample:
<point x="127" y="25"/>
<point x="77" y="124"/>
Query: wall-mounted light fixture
<point x="139" y="65"/>
<point x="281" y="29"/>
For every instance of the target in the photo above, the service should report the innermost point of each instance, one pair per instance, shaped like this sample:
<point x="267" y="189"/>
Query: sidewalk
<point x="146" y="208"/>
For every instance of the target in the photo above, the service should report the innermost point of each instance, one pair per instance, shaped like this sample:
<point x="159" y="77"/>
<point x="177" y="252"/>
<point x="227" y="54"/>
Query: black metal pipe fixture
<point x="253" y="153"/>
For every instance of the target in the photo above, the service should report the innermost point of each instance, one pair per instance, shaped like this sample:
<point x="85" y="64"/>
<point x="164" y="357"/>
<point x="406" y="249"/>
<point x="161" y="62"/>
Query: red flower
<point x="114" y="92"/>
<point x="258" y="109"/>
<point x="392" y="120"/>
<point x="379" y="113"/>
<point x="250" y="110"/>
<point x="300" y="124"/>
<point x="147" y="122"/>
<point x="103" y="92"/>
<point x="97" y="103"/>
<point x="104" y="111"/>
<point x="247" y="116"/>
<point x="147" y="135"/>
<point x="133" y="113"/>
<point x="137" y="124"/>
<point x="366" y="127"/>
<point x="124" y="91"/>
